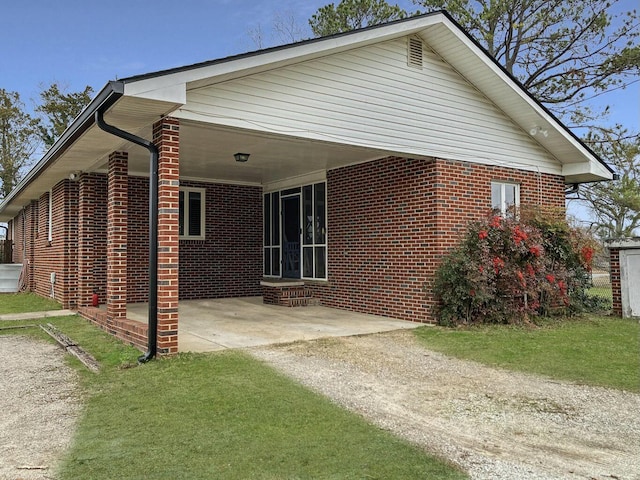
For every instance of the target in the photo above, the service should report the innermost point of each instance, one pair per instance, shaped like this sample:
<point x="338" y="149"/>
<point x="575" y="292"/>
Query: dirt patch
<point x="39" y="406"/>
<point x="492" y="423"/>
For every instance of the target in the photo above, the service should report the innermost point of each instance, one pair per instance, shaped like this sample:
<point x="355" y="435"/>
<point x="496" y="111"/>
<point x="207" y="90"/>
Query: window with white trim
<point x="191" y="216"/>
<point x="505" y="197"/>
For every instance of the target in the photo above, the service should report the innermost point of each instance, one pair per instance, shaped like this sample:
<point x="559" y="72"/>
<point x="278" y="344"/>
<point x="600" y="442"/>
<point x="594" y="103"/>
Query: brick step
<point x="288" y="295"/>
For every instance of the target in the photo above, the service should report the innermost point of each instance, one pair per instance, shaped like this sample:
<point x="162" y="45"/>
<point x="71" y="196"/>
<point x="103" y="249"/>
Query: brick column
<point x="616" y="283"/>
<point x="166" y="136"/>
<point x="86" y="238"/>
<point x="117" y="236"/>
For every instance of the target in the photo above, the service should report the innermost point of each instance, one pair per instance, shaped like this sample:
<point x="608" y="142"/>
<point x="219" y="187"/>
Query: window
<point x="271" y="234"/>
<point x="505" y="197"/>
<point x="191" y="215"/>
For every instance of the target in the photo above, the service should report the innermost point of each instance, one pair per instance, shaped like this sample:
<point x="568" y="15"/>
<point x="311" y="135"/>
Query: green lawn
<point x="604" y="292"/>
<point x="592" y="350"/>
<point x="222" y="416"/>
<point x="25" y="302"/>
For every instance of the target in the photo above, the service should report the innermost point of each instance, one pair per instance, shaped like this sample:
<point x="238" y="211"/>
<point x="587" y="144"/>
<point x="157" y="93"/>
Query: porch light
<point x="241" y="157"/>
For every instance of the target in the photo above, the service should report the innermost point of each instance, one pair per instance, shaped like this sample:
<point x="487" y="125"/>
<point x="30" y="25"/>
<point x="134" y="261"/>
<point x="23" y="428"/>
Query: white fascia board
<point x="594" y="171"/>
<point x="248" y="63"/>
<point x="157" y="89"/>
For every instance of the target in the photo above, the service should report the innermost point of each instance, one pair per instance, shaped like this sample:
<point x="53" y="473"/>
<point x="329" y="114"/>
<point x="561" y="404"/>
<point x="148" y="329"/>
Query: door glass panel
<point x="307" y="216"/>
<point x="275" y="261"/>
<point x="267" y="261"/>
<point x="275" y="217"/>
<point x="321" y="258"/>
<point x="267" y="219"/>
<point x="307" y="262"/>
<point x="320" y="213"/>
<point x="291" y="237"/>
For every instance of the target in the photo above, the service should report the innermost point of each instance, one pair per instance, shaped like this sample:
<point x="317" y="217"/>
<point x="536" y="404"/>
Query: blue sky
<point x="86" y="42"/>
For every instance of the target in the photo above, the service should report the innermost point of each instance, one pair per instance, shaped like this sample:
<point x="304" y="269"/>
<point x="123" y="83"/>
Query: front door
<point x="291" y="237"/>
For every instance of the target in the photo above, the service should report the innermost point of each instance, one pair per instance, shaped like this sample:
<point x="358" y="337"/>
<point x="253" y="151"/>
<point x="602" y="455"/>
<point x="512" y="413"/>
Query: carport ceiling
<point x="206" y="152"/>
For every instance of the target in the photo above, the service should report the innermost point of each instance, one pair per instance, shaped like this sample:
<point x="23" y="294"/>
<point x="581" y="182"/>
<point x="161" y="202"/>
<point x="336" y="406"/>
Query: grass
<point x="603" y="292"/>
<point x="223" y="416"/>
<point x="25" y="302"/>
<point x="593" y="350"/>
<point x="228" y="416"/>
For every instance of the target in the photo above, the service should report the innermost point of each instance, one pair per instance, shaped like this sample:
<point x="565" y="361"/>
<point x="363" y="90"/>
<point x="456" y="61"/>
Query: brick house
<point x="368" y="153"/>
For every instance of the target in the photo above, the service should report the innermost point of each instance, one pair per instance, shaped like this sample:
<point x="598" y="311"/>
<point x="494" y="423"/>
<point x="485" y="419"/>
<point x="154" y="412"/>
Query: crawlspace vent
<point x="414" y="52"/>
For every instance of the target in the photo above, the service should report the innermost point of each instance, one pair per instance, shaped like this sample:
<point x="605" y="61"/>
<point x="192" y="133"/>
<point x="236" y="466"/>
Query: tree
<point x="562" y="51"/>
<point x="615" y="205"/>
<point x="352" y="14"/>
<point x="18" y="140"/>
<point x="59" y="109"/>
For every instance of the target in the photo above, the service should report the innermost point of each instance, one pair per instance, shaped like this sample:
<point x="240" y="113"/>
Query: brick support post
<point x="117" y="236"/>
<point x="166" y="136"/>
<point x="86" y="238"/>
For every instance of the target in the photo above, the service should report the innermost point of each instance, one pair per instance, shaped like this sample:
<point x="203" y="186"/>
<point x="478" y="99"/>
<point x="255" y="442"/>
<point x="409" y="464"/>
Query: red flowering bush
<point x="508" y="271"/>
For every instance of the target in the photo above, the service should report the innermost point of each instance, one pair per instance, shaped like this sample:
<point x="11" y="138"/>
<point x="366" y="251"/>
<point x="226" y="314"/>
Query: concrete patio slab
<point x="210" y="325"/>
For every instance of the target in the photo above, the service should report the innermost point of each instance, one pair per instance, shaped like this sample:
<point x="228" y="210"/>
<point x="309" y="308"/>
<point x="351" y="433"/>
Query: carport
<point x="217" y="324"/>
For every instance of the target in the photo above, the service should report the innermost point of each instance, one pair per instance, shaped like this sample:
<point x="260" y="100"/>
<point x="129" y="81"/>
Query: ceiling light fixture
<point x="241" y="157"/>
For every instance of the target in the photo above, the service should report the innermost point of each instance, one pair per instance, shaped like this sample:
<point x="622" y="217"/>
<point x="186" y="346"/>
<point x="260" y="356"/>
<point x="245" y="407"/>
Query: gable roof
<point x="141" y="99"/>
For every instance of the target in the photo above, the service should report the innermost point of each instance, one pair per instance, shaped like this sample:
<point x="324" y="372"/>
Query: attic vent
<point x="414" y="52"/>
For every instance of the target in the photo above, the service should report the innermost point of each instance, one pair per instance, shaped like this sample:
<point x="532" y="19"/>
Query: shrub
<point x="508" y="271"/>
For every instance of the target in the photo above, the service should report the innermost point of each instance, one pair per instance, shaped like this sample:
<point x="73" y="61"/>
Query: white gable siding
<point x="371" y="97"/>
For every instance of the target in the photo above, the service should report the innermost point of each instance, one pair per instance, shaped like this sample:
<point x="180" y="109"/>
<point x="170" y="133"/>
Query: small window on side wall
<point x="191" y="215"/>
<point x="505" y="198"/>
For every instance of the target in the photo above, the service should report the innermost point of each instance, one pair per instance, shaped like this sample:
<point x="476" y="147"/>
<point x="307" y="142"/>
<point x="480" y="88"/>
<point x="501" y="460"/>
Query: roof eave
<point x="108" y="96"/>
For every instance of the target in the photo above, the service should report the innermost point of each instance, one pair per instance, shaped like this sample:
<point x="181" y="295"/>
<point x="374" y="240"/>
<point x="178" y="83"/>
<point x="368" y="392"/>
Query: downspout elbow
<point x="152" y="331"/>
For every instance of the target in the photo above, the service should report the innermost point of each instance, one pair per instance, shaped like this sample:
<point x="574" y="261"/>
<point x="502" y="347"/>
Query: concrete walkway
<point x="210" y="325"/>
<point x="30" y="315"/>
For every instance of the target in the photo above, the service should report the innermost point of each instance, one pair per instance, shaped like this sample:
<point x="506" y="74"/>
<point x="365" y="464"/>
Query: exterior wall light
<point x="241" y="157"/>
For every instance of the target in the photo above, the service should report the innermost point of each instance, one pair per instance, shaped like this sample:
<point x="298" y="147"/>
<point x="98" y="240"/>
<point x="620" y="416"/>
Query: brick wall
<point x="616" y="285"/>
<point x="228" y="263"/>
<point x="391" y="220"/>
<point x="92" y="237"/>
<point x="138" y="241"/>
<point x="59" y="255"/>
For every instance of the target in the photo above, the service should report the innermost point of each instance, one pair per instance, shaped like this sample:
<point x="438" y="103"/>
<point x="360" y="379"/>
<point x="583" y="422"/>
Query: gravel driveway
<point x="493" y="423"/>
<point x="39" y="406"/>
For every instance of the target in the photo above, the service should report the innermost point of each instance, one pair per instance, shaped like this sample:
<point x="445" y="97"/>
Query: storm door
<point x="291" y="233"/>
